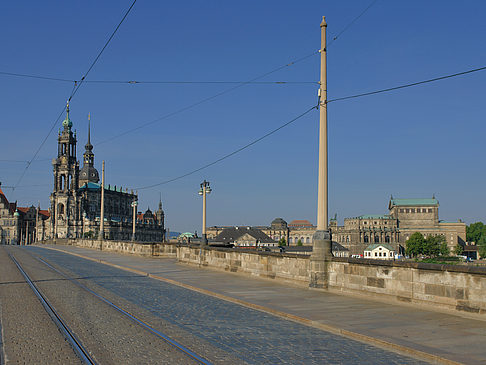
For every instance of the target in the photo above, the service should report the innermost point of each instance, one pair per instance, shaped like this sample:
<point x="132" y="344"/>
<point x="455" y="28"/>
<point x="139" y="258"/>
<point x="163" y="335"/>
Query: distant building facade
<point x="405" y="216"/>
<point x="75" y="203"/>
<point x="18" y="224"/>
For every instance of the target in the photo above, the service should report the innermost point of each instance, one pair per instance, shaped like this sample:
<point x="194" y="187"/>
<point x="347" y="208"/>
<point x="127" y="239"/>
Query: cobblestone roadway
<point x="29" y="336"/>
<point x="250" y="335"/>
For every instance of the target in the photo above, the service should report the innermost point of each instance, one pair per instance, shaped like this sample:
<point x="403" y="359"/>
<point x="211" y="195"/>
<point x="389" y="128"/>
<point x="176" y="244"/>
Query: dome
<point x="279" y="222"/>
<point x="67" y="122"/>
<point x="88" y="173"/>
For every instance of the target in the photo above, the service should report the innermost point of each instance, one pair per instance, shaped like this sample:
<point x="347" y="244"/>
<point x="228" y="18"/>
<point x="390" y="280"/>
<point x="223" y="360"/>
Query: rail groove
<point x="68" y="334"/>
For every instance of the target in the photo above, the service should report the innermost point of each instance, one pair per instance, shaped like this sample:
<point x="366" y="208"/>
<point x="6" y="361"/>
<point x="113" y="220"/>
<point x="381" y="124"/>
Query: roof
<point x="300" y="223"/>
<point x="97" y="186"/>
<point x="375" y="216"/>
<point x="45" y="213"/>
<point x="336" y="247"/>
<point x="413" y="202"/>
<point x="10" y="206"/>
<point x="278" y="221"/>
<point x="229" y="235"/>
<point x="376" y="245"/>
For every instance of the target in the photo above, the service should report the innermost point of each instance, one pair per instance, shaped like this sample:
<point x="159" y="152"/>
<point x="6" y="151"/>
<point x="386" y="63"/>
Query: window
<point x="387" y="239"/>
<point x="430" y="210"/>
<point x="412" y="210"/>
<point x="407" y="210"/>
<point x="365" y="238"/>
<point x="376" y="254"/>
<point x="380" y="254"/>
<point x="377" y="239"/>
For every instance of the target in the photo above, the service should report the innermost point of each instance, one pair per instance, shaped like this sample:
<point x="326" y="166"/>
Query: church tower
<point x="64" y="199"/>
<point x="88" y="173"/>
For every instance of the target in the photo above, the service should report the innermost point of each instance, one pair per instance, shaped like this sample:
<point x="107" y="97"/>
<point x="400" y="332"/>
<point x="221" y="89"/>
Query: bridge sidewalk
<point x="438" y="337"/>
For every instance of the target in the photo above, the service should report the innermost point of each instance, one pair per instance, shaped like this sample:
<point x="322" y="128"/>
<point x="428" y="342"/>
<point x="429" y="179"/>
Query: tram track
<point x="60" y="323"/>
<point x="76" y="344"/>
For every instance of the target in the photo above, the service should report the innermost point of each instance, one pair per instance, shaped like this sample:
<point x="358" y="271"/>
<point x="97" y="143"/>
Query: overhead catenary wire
<point x="237" y="86"/>
<point x="163" y="82"/>
<point x="190" y="106"/>
<point x="306" y="112"/>
<point x="81" y="81"/>
<point x="231" y="153"/>
<point x="351" y="22"/>
<point x="408" y="85"/>
<point x="76" y="87"/>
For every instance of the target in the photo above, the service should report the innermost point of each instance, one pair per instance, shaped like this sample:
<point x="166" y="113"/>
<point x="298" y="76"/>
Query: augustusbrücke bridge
<point x="67" y="304"/>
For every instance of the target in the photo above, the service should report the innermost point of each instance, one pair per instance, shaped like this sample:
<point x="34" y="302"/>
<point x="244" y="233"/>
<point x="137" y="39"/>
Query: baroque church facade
<point x="75" y="202"/>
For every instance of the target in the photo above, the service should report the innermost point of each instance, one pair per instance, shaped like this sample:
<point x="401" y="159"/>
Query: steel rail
<point x="152" y="330"/>
<point x="70" y="337"/>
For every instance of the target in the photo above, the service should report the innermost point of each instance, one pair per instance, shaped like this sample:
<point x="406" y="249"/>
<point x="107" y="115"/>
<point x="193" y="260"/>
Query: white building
<point x="380" y="251"/>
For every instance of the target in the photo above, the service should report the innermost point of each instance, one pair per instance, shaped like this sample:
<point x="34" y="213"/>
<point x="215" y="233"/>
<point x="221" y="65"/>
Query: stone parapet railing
<point x="451" y="287"/>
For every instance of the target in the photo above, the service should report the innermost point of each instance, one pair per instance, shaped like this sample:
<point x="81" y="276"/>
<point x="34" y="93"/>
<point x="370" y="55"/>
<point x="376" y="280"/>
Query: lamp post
<point x="82" y="227"/>
<point x="321" y="250"/>
<point x="205" y="189"/>
<point x="134" y="219"/>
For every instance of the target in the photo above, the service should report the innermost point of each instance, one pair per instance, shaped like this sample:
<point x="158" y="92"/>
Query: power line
<point x="19" y="161"/>
<point x="408" y="85"/>
<point x="167" y="82"/>
<point x="301" y="115"/>
<point x="352" y="22"/>
<point x="206" y="99"/>
<point x="133" y="82"/>
<point x="229" y="154"/>
<point x="76" y="87"/>
<point x="102" y="50"/>
<point x="35" y="76"/>
<point x="239" y="84"/>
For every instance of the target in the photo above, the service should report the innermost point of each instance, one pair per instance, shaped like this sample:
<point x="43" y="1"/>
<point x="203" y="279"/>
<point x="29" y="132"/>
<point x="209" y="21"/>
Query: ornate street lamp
<point x="134" y="219"/>
<point x="205" y="189"/>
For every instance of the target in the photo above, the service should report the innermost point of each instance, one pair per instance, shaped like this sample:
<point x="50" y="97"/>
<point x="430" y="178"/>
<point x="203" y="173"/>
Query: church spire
<point x="89" y="146"/>
<point x="67" y="124"/>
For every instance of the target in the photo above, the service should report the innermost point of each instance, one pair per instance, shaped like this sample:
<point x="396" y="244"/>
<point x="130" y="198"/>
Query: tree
<point x="482" y="246"/>
<point x="282" y="242"/>
<point x="475" y="231"/>
<point x="299" y="243"/>
<point x="458" y="250"/>
<point x="435" y="246"/>
<point x="415" y="244"/>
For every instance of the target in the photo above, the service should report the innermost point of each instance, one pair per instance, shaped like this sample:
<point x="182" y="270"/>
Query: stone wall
<point x="285" y="267"/>
<point x="452" y="287"/>
<point x="447" y="286"/>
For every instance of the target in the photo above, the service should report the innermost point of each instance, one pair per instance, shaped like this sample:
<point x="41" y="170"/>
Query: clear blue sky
<point x="409" y="143"/>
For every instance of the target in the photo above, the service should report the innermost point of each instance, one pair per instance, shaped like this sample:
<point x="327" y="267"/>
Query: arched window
<point x="387" y="239"/>
<point x="60" y="208"/>
<point x="307" y="240"/>
<point x="365" y="238"/>
<point x="377" y="238"/>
